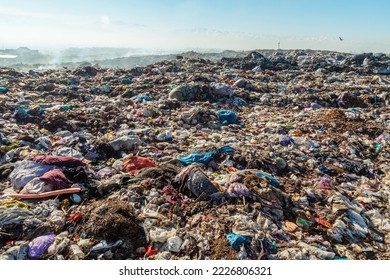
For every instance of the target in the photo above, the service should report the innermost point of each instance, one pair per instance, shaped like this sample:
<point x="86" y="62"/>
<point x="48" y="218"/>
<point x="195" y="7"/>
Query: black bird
<point x="341" y="39"/>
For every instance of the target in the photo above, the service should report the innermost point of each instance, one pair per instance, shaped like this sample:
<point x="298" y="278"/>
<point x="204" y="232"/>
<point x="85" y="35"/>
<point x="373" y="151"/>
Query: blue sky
<point x="211" y="24"/>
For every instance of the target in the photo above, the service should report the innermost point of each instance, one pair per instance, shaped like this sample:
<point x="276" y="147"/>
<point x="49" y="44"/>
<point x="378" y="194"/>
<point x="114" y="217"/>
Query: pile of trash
<point x="284" y="156"/>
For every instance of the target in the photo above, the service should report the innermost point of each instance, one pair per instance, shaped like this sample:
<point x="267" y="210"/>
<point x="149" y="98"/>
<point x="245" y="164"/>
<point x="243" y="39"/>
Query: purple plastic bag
<point x="38" y="246"/>
<point x="324" y="182"/>
<point x="237" y="190"/>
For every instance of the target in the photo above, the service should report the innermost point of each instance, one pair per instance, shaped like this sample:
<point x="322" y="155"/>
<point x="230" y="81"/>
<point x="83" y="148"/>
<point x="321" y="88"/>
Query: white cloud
<point x="105" y="20"/>
<point x="128" y="24"/>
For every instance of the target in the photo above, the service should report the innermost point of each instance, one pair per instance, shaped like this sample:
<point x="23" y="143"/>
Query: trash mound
<point x="110" y="220"/>
<point x="264" y="155"/>
<point x="342" y="121"/>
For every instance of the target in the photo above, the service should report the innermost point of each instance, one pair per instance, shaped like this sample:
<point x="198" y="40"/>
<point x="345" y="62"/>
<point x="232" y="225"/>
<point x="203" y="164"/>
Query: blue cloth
<point x="204" y="157"/>
<point x="226" y="116"/>
<point x="237" y="240"/>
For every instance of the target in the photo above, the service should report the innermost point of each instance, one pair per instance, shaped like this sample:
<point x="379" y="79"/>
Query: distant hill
<point x="23" y="55"/>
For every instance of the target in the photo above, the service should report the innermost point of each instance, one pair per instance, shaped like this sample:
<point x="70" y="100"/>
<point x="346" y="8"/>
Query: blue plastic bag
<point x="237" y="240"/>
<point x="141" y="98"/>
<point x="226" y="116"/>
<point x="204" y="157"/>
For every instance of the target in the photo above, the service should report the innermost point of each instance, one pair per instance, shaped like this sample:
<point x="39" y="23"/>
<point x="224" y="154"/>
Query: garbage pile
<point x="254" y="157"/>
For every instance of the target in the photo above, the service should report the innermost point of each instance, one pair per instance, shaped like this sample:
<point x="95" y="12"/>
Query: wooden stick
<point x="45" y="194"/>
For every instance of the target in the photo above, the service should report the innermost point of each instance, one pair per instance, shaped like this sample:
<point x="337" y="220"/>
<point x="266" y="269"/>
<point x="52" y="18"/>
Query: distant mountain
<point x="22" y="55"/>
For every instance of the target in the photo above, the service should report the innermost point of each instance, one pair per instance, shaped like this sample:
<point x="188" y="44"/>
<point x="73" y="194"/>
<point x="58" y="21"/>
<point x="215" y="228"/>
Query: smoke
<point x="8" y="56"/>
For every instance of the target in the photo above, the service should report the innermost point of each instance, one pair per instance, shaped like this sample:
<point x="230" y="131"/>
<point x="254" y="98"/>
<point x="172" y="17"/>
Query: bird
<point x="341" y="39"/>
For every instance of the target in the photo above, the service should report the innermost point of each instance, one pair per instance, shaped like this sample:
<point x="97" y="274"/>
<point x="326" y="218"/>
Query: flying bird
<point x="341" y="39"/>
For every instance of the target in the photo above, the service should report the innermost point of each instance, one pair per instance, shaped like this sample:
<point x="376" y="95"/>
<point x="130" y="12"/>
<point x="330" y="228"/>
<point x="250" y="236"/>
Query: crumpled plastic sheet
<point x="204" y="157"/>
<point x="13" y="215"/>
<point x="25" y="171"/>
<point x="194" y="179"/>
<point x="226" y="116"/>
<point x="38" y="246"/>
<point x="36" y="185"/>
<point x="133" y="164"/>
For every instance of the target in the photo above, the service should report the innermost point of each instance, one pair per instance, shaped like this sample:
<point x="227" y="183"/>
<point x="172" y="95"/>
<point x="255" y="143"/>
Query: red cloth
<point x="133" y="164"/>
<point x="65" y="161"/>
<point x="56" y="178"/>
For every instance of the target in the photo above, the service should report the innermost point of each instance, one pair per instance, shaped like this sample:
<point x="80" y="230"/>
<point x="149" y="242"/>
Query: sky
<point x="197" y="24"/>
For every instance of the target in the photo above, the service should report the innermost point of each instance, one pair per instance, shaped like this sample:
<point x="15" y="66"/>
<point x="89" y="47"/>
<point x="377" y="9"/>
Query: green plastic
<point x="303" y="223"/>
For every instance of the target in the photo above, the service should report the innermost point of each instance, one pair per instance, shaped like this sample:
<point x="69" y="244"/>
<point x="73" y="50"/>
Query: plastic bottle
<point x="161" y="235"/>
<point x="77" y="254"/>
<point x="174" y="244"/>
<point x="242" y="255"/>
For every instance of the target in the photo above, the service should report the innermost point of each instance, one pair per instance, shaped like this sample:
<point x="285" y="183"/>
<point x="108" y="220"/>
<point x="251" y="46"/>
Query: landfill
<point x="283" y="156"/>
